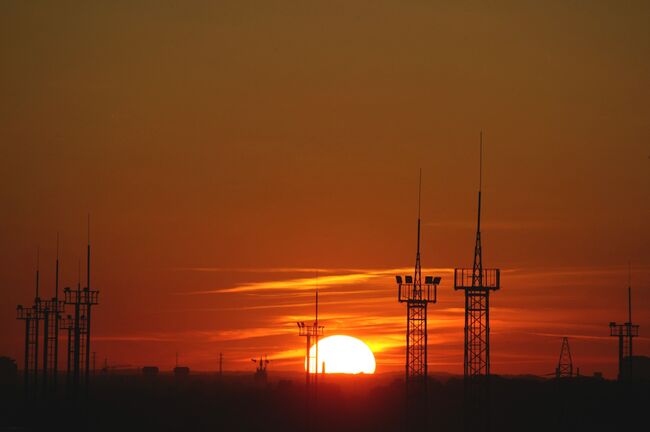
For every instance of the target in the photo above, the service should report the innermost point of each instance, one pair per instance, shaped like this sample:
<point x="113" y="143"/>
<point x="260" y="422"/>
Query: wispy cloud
<point x="264" y="270"/>
<point x="310" y="283"/>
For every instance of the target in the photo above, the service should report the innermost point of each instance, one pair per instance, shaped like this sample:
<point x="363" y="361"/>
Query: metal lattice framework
<point x="82" y="300"/>
<point x="50" y="312"/>
<point x="625" y="333"/>
<point x="477" y="283"/>
<point x="78" y="348"/>
<point x="417" y="296"/>
<point x="31" y="316"/>
<point x="311" y="333"/>
<point x="68" y="324"/>
<point x="565" y="363"/>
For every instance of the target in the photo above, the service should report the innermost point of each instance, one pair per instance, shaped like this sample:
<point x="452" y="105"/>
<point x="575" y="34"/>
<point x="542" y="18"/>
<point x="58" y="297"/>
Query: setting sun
<point x="342" y="354"/>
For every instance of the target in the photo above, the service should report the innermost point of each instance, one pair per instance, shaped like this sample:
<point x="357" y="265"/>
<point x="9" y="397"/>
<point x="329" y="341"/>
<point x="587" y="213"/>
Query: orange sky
<point x="229" y="152"/>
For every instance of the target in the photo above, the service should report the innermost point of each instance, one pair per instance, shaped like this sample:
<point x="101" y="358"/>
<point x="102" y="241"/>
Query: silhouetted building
<point x="8" y="374"/>
<point x="150" y="371"/>
<point x="181" y="371"/>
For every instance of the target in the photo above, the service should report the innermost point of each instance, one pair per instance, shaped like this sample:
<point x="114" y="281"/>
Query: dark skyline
<point x="244" y="147"/>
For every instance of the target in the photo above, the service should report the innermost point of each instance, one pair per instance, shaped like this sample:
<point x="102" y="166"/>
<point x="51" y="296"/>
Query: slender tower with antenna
<point x="89" y="302"/>
<point x="32" y="317"/>
<point x="625" y="333"/>
<point x="477" y="283"/>
<point x="417" y="296"/>
<point x="57" y="310"/>
<point x="83" y="300"/>
<point x="39" y="315"/>
<point x="311" y="333"/>
<point x="50" y="313"/>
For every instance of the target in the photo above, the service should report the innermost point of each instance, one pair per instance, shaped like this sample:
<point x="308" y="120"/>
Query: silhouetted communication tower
<point x="68" y="324"/>
<point x="51" y="311"/>
<point x="565" y="363"/>
<point x="32" y="317"/>
<point x="477" y="283"/>
<point x="625" y="333"/>
<point x="417" y="296"/>
<point x="30" y="370"/>
<point x="312" y="332"/>
<point x="82" y="300"/>
<point x="260" y="370"/>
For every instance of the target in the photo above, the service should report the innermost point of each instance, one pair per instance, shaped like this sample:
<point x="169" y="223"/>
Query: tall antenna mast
<point x="56" y="276"/>
<point x="480" y="164"/>
<point x="57" y="309"/>
<point x="88" y="256"/>
<point x="625" y="332"/>
<point x="629" y="291"/>
<point x="477" y="283"/>
<point x="417" y="295"/>
<point x="317" y="298"/>
<point x="480" y="184"/>
<point x="316" y="338"/>
<point x="418" y="268"/>
<point x="37" y="268"/>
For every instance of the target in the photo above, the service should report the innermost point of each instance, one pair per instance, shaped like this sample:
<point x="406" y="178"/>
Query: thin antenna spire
<point x="480" y="163"/>
<point x="316" y="358"/>
<point x="419" y="193"/>
<point x="316" y="298"/>
<point x="480" y="181"/>
<point x="417" y="256"/>
<point x="88" y="256"/>
<point x="38" y="253"/>
<point x="629" y="291"/>
<point x="56" y="277"/>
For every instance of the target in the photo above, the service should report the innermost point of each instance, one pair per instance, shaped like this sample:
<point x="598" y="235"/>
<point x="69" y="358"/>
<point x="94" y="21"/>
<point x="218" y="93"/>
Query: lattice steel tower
<point x="32" y="317"/>
<point x="82" y="300"/>
<point x="477" y="283"/>
<point x="565" y="363"/>
<point x="50" y="313"/>
<point x="311" y="333"/>
<point x="417" y="296"/>
<point x="625" y="333"/>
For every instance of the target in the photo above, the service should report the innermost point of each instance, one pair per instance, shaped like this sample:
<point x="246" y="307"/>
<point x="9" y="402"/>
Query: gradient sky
<point x="234" y="155"/>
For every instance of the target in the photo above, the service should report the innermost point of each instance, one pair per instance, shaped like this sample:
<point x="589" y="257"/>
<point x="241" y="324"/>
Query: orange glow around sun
<point x="342" y="354"/>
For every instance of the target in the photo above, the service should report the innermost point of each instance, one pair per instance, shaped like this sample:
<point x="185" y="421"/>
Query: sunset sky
<point x="234" y="155"/>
